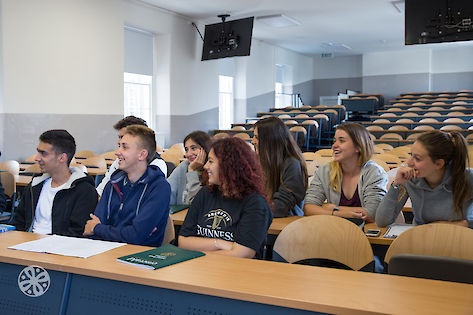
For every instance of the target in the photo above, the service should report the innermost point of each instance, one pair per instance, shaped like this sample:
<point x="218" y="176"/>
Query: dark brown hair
<point x="275" y="146"/>
<point x="61" y="141"/>
<point x="128" y="121"/>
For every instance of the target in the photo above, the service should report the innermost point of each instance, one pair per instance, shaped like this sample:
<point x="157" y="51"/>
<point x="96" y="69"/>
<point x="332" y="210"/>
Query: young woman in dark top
<point x="230" y="215"/>
<point x="284" y="168"/>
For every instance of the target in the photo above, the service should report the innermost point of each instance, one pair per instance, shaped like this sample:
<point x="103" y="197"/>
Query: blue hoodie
<point x="134" y="213"/>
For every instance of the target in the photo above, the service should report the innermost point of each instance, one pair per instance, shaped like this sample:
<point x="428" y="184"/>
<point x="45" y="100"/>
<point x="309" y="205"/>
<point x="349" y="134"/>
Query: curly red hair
<point x="239" y="170"/>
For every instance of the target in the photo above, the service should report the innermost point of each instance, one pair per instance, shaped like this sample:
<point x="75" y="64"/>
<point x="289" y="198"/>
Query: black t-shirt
<point x="245" y="221"/>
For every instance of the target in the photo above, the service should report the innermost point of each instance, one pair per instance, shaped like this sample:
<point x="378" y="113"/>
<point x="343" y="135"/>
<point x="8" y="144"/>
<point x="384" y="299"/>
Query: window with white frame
<point x="138" y="96"/>
<point x="225" y="107"/>
<point x="282" y="87"/>
<point x="279" y="101"/>
<point x="138" y="74"/>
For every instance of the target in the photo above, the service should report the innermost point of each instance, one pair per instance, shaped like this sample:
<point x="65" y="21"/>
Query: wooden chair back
<point x="398" y="128"/>
<point x="384" y="146"/>
<point x="381" y="163"/>
<point x="404" y="121"/>
<point x="299" y="134"/>
<point x="410" y="114"/>
<point x="374" y="128"/>
<point x="451" y="128"/>
<point x="221" y="135"/>
<point x="238" y="128"/>
<point x="392" y="160"/>
<point x="31" y="158"/>
<point x="454" y="120"/>
<point x="309" y="156"/>
<point x="434" y="239"/>
<point x="95" y="162"/>
<point x="33" y="169"/>
<point x="428" y="120"/>
<point x="172" y="156"/>
<point x="8" y="183"/>
<point x="169" y="233"/>
<point x="110" y="155"/>
<point x="11" y="166"/>
<point x="178" y="147"/>
<point x="83" y="154"/>
<point x="391" y="136"/>
<point x="243" y="135"/>
<point x="324" y="237"/>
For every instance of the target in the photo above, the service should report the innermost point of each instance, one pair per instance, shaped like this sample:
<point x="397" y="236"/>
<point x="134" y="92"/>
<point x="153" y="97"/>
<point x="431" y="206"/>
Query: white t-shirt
<point x="42" y="221"/>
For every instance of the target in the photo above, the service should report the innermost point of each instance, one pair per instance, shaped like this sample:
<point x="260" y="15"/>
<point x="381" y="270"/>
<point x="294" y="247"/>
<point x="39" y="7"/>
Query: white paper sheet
<point x="397" y="228"/>
<point x="67" y="246"/>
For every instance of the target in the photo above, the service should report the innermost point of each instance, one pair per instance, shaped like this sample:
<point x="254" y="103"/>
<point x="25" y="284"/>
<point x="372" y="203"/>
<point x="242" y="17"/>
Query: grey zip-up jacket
<point x="428" y="204"/>
<point x="371" y="187"/>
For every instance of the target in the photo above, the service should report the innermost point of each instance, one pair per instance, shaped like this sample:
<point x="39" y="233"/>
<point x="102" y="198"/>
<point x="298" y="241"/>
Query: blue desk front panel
<point x="102" y="296"/>
<point x="44" y="290"/>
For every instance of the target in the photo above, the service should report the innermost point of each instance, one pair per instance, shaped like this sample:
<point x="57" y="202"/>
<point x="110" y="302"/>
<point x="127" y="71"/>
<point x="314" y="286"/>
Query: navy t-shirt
<point x="245" y="221"/>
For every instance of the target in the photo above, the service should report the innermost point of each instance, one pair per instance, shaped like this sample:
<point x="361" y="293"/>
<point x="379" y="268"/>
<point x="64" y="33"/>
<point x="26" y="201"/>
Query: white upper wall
<point x="302" y="66"/>
<point x="185" y="85"/>
<point x="396" y="62"/>
<point x="447" y="58"/>
<point x="62" y="56"/>
<point x="451" y="60"/>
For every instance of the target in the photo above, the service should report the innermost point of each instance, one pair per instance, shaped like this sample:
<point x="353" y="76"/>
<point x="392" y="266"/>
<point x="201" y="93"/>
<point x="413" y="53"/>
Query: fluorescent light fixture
<point x="277" y="20"/>
<point x="399" y="5"/>
<point x="336" y="46"/>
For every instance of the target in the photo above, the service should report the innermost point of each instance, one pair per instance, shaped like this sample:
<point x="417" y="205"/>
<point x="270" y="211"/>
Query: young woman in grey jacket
<point x="436" y="180"/>
<point x="351" y="186"/>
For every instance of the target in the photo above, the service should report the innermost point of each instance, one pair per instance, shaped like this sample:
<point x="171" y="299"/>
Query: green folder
<point x="159" y="257"/>
<point x="177" y="208"/>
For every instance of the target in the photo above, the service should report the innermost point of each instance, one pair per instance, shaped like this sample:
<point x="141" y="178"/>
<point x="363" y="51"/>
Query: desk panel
<point x="104" y="296"/>
<point x="14" y="301"/>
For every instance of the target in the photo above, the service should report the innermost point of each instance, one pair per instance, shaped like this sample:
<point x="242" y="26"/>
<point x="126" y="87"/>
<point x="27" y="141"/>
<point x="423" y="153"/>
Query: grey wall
<point x="260" y="103"/>
<point x="394" y="84"/>
<point x="181" y="125"/>
<point x="91" y="132"/>
<point x="306" y="90"/>
<point x="327" y="87"/>
<point x="452" y="81"/>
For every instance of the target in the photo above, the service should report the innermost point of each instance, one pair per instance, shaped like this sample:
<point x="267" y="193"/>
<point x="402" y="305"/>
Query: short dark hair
<point x="61" y="141"/>
<point x="147" y="139"/>
<point x="128" y="121"/>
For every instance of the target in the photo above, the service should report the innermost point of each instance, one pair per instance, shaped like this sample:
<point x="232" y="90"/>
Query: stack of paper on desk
<point x="395" y="229"/>
<point x="67" y="246"/>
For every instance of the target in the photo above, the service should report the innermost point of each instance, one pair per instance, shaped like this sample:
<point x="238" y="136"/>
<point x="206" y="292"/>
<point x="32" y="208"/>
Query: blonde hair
<point x="362" y="140"/>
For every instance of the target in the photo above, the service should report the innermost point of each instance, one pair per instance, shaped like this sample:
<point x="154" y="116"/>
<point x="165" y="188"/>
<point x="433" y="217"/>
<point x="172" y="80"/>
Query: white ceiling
<point x="341" y="27"/>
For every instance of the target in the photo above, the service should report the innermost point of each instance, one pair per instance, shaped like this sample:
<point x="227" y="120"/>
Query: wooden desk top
<point x="294" y="286"/>
<point x="22" y="180"/>
<point x="279" y="224"/>
<point x="96" y="171"/>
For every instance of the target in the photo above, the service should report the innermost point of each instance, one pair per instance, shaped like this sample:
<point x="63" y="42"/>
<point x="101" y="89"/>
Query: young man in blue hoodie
<point x="134" y="206"/>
